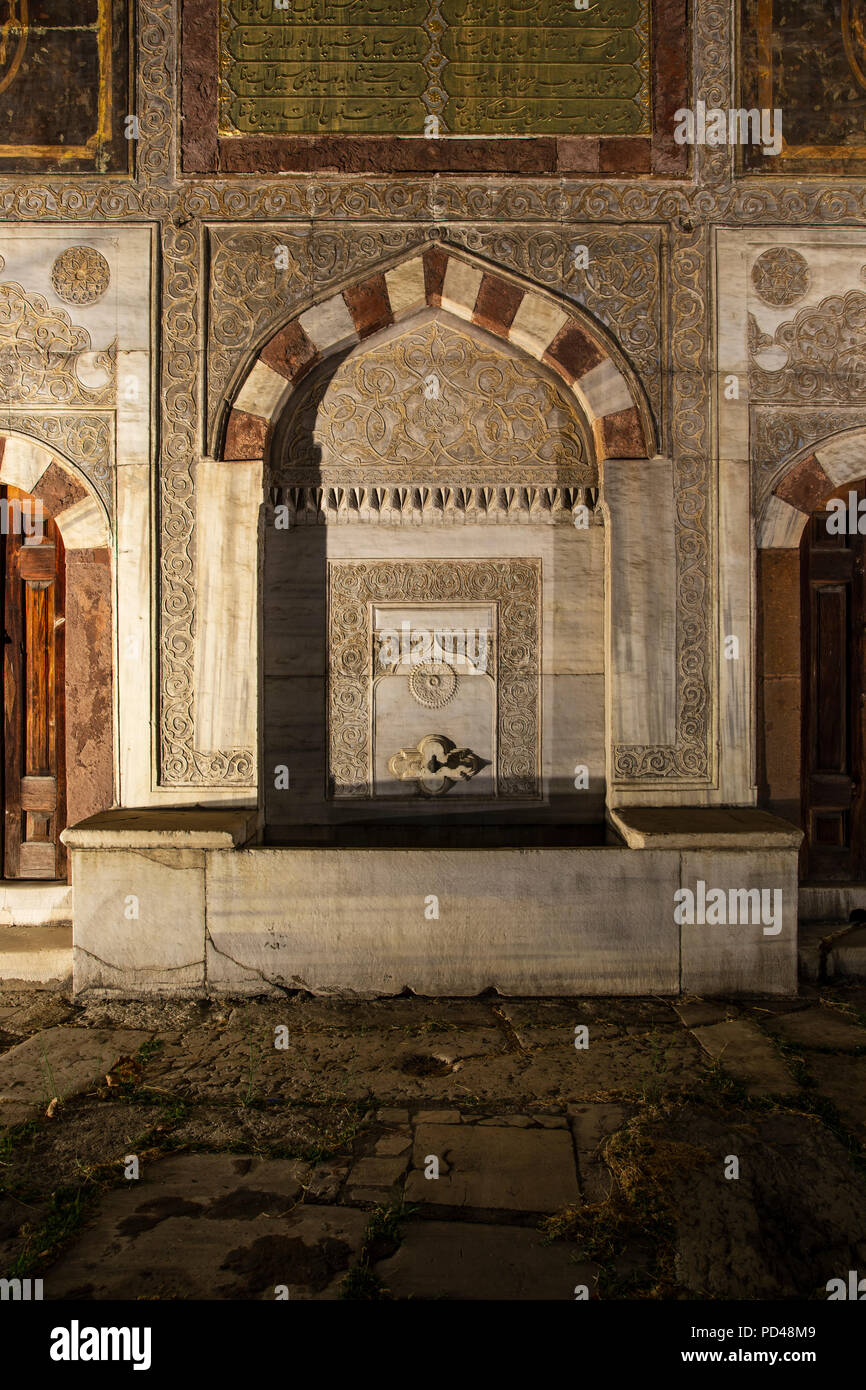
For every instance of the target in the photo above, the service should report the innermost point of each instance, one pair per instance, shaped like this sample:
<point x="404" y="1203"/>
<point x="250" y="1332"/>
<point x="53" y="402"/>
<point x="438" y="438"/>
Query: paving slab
<point x="446" y="1260"/>
<point x="45" y="1010"/>
<point x="394" y="1143"/>
<point x="210" y="1226"/>
<point x="842" y="1081"/>
<point x="792" y="1220"/>
<point x="592" y="1125"/>
<point x="488" y="1169"/>
<point x="58" y="1062"/>
<point x="697" y="1013"/>
<point x="748" y="1056"/>
<point x="378" y="1172"/>
<point x="819" y="1027"/>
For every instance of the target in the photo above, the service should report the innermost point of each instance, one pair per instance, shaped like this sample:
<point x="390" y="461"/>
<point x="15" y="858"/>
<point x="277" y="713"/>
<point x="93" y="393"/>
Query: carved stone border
<point x="338" y="203"/>
<point x="355" y="585"/>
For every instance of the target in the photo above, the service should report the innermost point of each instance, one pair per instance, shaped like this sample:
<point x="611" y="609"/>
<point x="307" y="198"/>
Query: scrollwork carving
<point x="824" y="348"/>
<point x="42" y="351"/>
<point x="436" y="401"/>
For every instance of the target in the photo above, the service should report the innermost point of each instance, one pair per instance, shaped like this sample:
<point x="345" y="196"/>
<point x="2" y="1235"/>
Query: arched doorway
<point x="33" y="731"/>
<point x="57" y="762"/>
<point x="811" y="695"/>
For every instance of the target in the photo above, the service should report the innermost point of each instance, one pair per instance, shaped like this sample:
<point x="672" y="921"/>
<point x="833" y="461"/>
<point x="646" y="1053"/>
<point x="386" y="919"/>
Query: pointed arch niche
<point x="431" y="439"/>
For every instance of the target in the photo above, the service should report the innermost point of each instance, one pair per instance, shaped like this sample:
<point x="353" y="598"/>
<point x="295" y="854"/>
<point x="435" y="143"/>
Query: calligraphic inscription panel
<point x="434" y="67"/>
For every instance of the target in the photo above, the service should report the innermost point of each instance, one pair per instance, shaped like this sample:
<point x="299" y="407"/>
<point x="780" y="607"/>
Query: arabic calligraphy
<point x="486" y="67"/>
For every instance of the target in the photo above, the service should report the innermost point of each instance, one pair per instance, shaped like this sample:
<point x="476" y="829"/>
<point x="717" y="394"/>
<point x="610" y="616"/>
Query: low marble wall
<point x="198" y="913"/>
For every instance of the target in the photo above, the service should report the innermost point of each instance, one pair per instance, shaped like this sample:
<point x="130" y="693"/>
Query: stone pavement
<point x="484" y="1148"/>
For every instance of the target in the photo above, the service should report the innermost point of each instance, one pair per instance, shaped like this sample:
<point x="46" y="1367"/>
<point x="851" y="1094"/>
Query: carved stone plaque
<point x="434" y="647"/>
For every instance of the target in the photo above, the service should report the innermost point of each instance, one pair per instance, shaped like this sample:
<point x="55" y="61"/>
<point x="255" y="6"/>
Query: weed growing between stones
<point x="637" y="1216"/>
<point x="382" y="1238"/>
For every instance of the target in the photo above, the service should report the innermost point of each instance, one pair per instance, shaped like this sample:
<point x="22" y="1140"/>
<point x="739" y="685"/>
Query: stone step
<point x="847" y="955"/>
<point x="36" y="955"/>
<point x="831" y="950"/>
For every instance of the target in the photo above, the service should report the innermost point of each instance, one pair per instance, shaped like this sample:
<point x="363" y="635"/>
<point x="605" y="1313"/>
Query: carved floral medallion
<point x="80" y="275"/>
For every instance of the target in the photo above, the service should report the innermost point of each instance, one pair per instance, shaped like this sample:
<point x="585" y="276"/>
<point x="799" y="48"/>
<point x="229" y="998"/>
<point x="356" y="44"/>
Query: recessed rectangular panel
<point x="475" y="67"/>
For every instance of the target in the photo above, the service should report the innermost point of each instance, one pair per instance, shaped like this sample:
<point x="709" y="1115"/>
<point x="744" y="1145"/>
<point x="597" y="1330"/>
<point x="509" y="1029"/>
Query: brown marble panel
<point x="782" y="738"/>
<point x="199" y="90"/>
<point x="385" y="154"/>
<point x="625" y="155"/>
<point x="670" y="85"/>
<point x="89" y="738"/>
<point x="779" y="590"/>
<point x="577" y="154"/>
<point x="245" y="436"/>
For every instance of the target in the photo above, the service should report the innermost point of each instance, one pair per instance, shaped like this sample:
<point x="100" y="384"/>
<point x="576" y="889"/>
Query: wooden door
<point x="834" y="698"/>
<point x="34" y="785"/>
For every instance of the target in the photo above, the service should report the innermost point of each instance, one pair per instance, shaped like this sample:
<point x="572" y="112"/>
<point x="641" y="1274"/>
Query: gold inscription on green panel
<point x="428" y="67"/>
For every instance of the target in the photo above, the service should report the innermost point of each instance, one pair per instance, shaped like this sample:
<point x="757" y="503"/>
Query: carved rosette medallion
<point x="433" y="683"/>
<point x="781" y="276"/>
<point x="80" y="275"/>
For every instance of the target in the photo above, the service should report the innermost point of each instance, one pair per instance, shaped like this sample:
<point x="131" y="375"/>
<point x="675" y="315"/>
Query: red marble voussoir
<point x="369" y="305"/>
<point x="435" y="265"/>
<point x="806" y="486"/>
<point x="245" y="436"/>
<point x="290" y="352"/>
<point x="496" y="304"/>
<point x="622" y="435"/>
<point x="573" y="352"/>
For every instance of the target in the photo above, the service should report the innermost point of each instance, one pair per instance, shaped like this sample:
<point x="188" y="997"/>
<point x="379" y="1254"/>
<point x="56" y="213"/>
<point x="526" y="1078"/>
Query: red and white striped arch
<point x="556" y="333"/>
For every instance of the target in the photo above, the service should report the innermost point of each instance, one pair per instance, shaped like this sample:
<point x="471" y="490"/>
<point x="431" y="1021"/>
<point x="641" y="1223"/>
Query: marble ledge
<point x="164" y="828"/>
<point x="704" y="827"/>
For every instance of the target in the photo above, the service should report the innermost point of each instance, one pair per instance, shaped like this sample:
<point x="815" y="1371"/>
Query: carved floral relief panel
<point x="435" y="403"/>
<point x="489" y="687"/>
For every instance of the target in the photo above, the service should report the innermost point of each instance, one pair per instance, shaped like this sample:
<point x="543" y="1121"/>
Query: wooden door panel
<point x="34" y="788"/>
<point x="831" y="681"/>
<point x="833" y="687"/>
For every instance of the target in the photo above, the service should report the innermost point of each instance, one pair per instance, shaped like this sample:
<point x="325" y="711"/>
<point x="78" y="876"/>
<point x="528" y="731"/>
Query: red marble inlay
<point x="622" y="435"/>
<point x="245" y="436"/>
<point x="435" y="265"/>
<point x="290" y="352"/>
<point x="806" y="486"/>
<point x="497" y="303"/>
<point x="369" y="305"/>
<point x="573" y="353"/>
